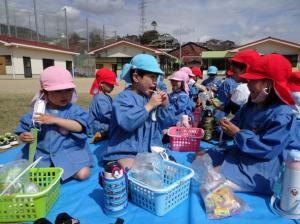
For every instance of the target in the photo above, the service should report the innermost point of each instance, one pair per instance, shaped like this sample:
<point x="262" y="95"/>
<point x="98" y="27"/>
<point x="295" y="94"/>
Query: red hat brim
<point x="284" y="93"/>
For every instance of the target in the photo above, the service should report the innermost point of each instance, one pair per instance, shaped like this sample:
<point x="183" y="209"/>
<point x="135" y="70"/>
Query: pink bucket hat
<point x="181" y="76"/>
<point x="56" y="78"/>
<point x="187" y="70"/>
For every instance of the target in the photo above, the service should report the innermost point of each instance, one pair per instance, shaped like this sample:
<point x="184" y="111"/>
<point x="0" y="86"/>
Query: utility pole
<point x="15" y="24"/>
<point x="36" y="22"/>
<point x="29" y="21"/>
<point x="115" y="34"/>
<point x="103" y="37"/>
<point x="7" y="18"/>
<point x="66" y="25"/>
<point x="88" y="43"/>
<point x="44" y="25"/>
<point x="180" y="47"/>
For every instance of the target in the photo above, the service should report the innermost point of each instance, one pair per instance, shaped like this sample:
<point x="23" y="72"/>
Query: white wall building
<point x="26" y="59"/>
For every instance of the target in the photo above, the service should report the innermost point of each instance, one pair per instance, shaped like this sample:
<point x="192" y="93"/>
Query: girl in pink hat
<point x="101" y="105"/>
<point x="264" y="129"/>
<point x="180" y="102"/>
<point x="62" y="135"/>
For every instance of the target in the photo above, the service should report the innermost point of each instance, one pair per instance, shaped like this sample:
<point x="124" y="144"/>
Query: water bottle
<point x="114" y="182"/>
<point x="290" y="191"/>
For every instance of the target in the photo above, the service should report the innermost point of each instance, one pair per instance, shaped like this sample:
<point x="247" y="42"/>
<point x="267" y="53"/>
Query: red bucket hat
<point x="274" y="67"/>
<point x="103" y="75"/>
<point x="294" y="82"/>
<point x="246" y="57"/>
<point x="197" y="72"/>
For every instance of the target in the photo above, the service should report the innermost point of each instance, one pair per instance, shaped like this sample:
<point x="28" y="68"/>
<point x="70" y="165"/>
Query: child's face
<point x="176" y="85"/>
<point x="59" y="98"/>
<point x="236" y="73"/>
<point x="146" y="84"/>
<point x="257" y="86"/>
<point x="106" y="87"/>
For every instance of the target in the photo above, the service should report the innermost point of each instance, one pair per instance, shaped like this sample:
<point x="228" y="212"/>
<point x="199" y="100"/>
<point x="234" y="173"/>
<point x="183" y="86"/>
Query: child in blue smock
<point x="193" y="91"/>
<point x="227" y="87"/>
<point x="62" y="135"/>
<point x="212" y="82"/>
<point x="264" y="130"/>
<point x="137" y="112"/>
<point x="294" y="85"/>
<point x="101" y="105"/>
<point x="161" y="84"/>
<point x="179" y="100"/>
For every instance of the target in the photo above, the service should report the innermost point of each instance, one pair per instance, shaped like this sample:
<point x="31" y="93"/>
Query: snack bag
<point x="219" y="199"/>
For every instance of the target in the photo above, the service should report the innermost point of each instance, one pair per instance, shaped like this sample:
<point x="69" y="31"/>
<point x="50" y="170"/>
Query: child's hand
<point x="228" y="127"/>
<point x="44" y="119"/>
<point x="26" y="137"/>
<point x="154" y="102"/>
<point x="164" y="98"/>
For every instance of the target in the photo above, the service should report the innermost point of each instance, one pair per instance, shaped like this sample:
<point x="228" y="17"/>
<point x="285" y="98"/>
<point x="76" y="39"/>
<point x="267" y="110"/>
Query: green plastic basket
<point x="29" y="207"/>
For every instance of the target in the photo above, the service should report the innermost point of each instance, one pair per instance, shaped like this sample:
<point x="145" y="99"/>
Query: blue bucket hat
<point x="212" y="70"/>
<point x="144" y="62"/>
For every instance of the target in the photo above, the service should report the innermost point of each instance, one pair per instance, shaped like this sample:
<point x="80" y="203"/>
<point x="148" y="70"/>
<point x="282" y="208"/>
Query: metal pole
<point x="66" y="25"/>
<point x="36" y="22"/>
<point x="16" y="30"/>
<point x="29" y="20"/>
<point x="7" y="18"/>
<point x="88" y="43"/>
<point x="44" y="27"/>
<point x="103" y="35"/>
<point x="180" y="48"/>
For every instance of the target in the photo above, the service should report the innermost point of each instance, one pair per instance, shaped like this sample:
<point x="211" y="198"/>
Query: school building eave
<point x="17" y="42"/>
<point x="216" y="54"/>
<point x="264" y="40"/>
<point x="155" y="51"/>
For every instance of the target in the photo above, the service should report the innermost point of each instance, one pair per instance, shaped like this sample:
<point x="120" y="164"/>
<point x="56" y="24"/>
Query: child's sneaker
<point x="11" y="138"/>
<point x="4" y="143"/>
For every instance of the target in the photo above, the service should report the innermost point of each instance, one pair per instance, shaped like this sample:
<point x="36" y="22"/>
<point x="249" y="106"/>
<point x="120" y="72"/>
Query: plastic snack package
<point x="9" y="172"/>
<point x="147" y="168"/>
<point x="219" y="199"/>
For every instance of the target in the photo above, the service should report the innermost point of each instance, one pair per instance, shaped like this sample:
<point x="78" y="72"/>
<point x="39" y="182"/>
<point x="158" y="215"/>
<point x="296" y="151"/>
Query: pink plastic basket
<point x="185" y="139"/>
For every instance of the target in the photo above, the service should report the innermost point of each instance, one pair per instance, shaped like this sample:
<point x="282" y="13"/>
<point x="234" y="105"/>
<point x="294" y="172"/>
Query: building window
<point x="98" y="66"/>
<point x="47" y="63"/>
<point x="293" y="58"/>
<point x="114" y="67"/>
<point x="69" y="66"/>
<point x="7" y="60"/>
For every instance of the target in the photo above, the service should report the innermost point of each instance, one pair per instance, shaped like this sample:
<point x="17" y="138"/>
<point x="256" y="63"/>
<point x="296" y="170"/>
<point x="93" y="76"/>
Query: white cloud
<point x="99" y="6"/>
<point x="197" y="19"/>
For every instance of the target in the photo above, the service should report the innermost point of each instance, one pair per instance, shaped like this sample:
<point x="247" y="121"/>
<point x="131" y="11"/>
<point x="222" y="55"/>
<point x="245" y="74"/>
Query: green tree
<point x="95" y="39"/>
<point x="148" y="36"/>
<point x="74" y="38"/>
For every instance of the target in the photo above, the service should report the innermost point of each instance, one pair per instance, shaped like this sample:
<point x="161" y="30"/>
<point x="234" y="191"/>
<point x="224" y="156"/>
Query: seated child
<point x="161" y="85"/>
<point x="239" y="64"/>
<point x="212" y="82"/>
<point x="294" y="85"/>
<point x="137" y="112"/>
<point x="62" y="135"/>
<point x="180" y="102"/>
<point x="264" y="130"/>
<point x="101" y="105"/>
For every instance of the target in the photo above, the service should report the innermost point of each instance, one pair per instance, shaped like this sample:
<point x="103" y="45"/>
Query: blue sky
<point x="190" y="20"/>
